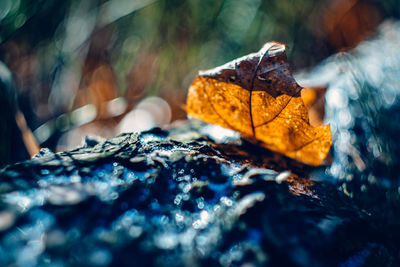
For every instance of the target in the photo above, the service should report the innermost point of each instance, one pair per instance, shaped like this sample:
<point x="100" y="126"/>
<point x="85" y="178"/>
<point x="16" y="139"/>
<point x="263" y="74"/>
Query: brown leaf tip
<point x="266" y="70"/>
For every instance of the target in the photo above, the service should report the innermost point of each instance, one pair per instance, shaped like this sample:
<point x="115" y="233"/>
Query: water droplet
<point x="45" y="172"/>
<point x="166" y="241"/>
<point x="100" y="257"/>
<point x="226" y="201"/>
<point x="179" y="217"/>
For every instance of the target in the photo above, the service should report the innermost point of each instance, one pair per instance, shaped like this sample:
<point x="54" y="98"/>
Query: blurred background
<point x="73" y="68"/>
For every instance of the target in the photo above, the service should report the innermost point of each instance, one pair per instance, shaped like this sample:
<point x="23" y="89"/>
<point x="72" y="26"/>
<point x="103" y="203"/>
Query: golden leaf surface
<point x="257" y="96"/>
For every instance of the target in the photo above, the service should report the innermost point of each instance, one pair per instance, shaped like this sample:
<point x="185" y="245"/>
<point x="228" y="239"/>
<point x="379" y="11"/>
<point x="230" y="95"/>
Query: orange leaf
<point x="257" y="96"/>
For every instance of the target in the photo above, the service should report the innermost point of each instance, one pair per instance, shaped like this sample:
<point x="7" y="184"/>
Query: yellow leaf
<point x="257" y="96"/>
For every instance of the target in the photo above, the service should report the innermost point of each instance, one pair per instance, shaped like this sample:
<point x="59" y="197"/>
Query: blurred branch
<point x="114" y="10"/>
<point x="27" y="136"/>
<point x="13" y="24"/>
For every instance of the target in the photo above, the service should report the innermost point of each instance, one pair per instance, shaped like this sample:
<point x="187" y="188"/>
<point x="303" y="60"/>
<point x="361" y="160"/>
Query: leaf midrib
<point x="251" y="91"/>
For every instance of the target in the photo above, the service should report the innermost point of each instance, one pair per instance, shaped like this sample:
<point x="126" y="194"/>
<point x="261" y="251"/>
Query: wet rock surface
<point x="198" y="195"/>
<point x="180" y="197"/>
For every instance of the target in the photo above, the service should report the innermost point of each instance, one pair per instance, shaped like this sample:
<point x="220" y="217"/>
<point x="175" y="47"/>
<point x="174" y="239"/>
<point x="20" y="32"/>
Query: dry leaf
<point x="257" y="96"/>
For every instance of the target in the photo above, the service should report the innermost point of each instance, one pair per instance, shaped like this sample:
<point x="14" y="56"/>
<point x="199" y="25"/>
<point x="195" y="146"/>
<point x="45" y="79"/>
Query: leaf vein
<point x="276" y="115"/>
<point x="215" y="110"/>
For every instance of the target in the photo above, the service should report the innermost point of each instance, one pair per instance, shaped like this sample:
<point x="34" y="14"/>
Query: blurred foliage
<point x="8" y="126"/>
<point x="68" y="54"/>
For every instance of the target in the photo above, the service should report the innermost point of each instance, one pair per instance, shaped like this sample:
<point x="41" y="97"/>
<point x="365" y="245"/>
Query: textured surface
<point x="173" y="198"/>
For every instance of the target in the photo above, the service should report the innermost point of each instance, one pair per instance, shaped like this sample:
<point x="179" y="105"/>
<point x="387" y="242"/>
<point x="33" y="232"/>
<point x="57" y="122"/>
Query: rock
<point x="176" y="197"/>
<point x="362" y="106"/>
